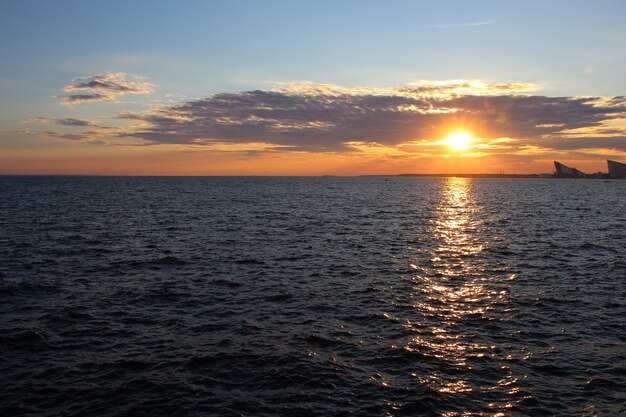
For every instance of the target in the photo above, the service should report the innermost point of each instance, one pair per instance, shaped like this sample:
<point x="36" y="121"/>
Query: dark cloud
<point x="104" y="87"/>
<point x="81" y="98"/>
<point x="64" y="121"/>
<point x="618" y="143"/>
<point x="99" y="85"/>
<point x="75" y="122"/>
<point x="319" y="122"/>
<point x="81" y="137"/>
<point x="92" y="137"/>
<point x="327" y="119"/>
<point x="533" y="116"/>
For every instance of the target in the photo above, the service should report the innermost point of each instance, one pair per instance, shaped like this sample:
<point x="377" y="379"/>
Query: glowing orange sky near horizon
<point x="462" y="147"/>
<point x="81" y="159"/>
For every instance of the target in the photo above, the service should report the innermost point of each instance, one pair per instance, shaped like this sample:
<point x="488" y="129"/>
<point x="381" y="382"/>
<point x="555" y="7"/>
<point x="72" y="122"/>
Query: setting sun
<point x="459" y="140"/>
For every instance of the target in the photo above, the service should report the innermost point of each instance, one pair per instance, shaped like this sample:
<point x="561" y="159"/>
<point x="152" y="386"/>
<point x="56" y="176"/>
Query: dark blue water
<point x="311" y="296"/>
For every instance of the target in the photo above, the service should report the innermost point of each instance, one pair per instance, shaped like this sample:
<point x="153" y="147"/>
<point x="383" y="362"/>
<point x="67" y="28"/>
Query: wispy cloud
<point x="421" y="88"/>
<point x="104" y="87"/>
<point x="95" y="135"/>
<point x="68" y="121"/>
<point x="80" y="137"/>
<point x="465" y="24"/>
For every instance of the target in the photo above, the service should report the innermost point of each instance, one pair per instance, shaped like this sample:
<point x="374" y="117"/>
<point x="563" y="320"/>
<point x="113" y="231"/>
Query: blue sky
<point x="215" y="46"/>
<point x="193" y="49"/>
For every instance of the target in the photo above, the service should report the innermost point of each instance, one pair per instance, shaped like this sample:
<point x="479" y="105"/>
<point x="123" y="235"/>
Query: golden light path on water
<point x="456" y="287"/>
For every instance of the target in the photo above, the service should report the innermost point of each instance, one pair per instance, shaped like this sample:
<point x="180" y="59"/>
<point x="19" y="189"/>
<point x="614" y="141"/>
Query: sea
<point x="312" y="296"/>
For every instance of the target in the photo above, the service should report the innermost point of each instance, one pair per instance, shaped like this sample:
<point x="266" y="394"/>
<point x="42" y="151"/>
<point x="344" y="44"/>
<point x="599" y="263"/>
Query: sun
<point x="460" y="140"/>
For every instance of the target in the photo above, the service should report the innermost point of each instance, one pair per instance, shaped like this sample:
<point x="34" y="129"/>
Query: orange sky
<point x="427" y="127"/>
<point x="97" y="160"/>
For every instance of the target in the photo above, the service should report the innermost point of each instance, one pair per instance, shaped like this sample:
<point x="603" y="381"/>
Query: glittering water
<point x="311" y="296"/>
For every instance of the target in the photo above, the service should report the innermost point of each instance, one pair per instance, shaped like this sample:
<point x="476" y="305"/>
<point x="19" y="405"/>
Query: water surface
<point x="311" y="296"/>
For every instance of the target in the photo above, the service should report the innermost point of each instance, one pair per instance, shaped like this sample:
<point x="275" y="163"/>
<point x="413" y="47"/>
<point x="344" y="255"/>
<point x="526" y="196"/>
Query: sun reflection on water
<point x="456" y="288"/>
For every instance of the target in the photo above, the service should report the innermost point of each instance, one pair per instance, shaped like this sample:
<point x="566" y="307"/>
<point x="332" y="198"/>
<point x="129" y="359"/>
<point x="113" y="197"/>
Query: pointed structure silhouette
<point x="616" y="169"/>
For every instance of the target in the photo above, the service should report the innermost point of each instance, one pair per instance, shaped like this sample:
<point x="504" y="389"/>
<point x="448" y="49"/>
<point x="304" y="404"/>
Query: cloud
<point x="96" y="135"/>
<point x="419" y="89"/>
<point x="412" y="121"/>
<point x="80" y="98"/>
<point x="79" y="137"/>
<point x="615" y="143"/>
<point x="69" y="121"/>
<point x="104" y="87"/>
<point x="322" y="117"/>
<point x="466" y="24"/>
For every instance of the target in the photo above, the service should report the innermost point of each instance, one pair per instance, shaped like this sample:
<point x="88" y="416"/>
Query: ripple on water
<point x="311" y="296"/>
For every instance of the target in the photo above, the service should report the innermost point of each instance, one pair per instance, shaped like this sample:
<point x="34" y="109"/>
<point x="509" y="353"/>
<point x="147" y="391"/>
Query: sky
<point x="311" y="88"/>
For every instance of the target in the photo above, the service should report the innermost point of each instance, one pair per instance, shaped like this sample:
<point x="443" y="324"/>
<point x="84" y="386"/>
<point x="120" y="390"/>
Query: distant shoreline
<point x="538" y="176"/>
<point x="462" y="175"/>
<point x="521" y="176"/>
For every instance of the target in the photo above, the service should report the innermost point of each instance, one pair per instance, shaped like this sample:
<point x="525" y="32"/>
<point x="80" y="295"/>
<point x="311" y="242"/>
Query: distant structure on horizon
<point x="564" y="171"/>
<point x="616" y="170"/>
